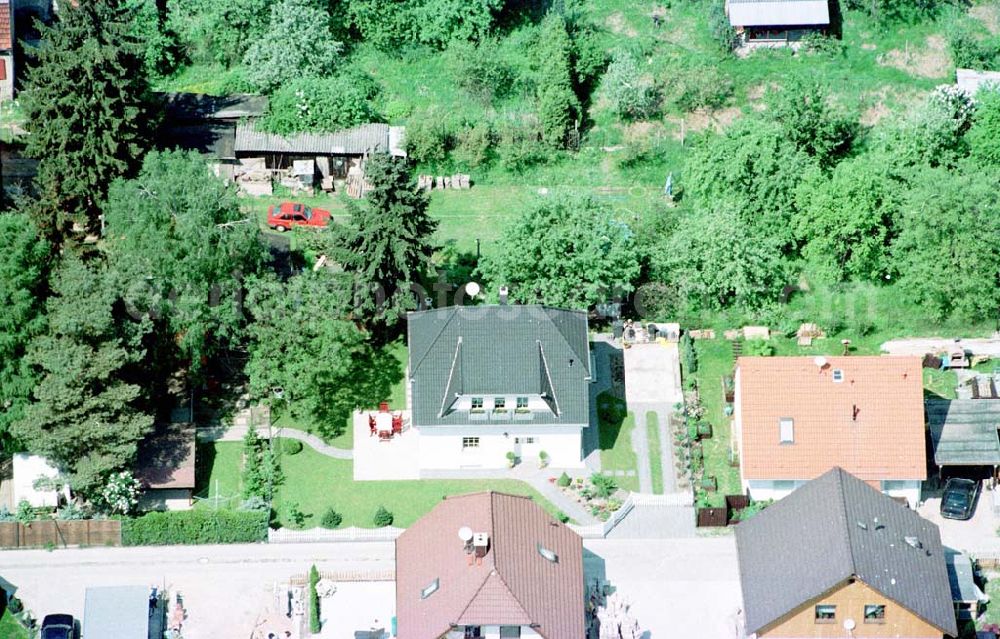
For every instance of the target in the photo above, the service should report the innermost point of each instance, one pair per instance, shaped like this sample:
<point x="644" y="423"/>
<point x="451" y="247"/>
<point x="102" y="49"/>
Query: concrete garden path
<point x="236" y="433"/>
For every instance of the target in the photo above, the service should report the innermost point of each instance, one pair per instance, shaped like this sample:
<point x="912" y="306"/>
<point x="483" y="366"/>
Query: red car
<point x="282" y="218"/>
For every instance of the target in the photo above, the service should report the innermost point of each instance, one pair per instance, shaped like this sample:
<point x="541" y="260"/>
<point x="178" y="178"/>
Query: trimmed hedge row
<point x="195" y="527"/>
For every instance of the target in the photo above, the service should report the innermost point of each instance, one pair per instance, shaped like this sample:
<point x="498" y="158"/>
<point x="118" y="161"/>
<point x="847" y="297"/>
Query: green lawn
<point x="715" y="359"/>
<point x="655" y="459"/>
<point x="10" y="629"/>
<point x="316" y="482"/>
<point x="615" y="435"/>
<point x="217" y="474"/>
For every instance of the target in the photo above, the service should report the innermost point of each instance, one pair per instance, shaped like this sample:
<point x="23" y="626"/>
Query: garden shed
<point x="964" y="432"/>
<point x="776" y="22"/>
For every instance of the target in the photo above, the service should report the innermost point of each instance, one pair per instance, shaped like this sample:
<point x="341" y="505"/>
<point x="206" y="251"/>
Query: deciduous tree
<point x="570" y="252"/>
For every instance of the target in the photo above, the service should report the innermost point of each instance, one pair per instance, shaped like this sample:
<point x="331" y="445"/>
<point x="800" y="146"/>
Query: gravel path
<point x="237" y="433"/>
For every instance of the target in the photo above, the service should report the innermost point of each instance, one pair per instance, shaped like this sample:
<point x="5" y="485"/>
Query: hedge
<point x="314" y="623"/>
<point x="195" y="527"/>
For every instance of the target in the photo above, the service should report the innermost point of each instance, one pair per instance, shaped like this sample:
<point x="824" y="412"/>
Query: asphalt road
<point x="678" y="587"/>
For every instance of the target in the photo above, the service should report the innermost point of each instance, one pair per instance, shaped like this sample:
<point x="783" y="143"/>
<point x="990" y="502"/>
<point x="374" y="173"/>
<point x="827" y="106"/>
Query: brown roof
<point x="6" y="23"/>
<point x="513" y="586"/>
<point x="871" y="423"/>
<point x="166" y="457"/>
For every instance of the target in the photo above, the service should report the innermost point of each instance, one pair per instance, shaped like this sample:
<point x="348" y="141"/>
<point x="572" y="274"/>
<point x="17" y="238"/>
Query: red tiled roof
<point x="6" y="26"/>
<point x="871" y="424"/>
<point x="513" y="585"/>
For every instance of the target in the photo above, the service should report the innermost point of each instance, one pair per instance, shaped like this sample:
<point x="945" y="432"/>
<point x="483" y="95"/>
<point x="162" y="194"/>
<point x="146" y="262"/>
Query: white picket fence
<point x="286" y="535"/>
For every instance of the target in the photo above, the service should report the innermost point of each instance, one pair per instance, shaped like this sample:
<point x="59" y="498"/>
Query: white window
<point x="524" y="440"/>
<point x="786" y="429"/>
<point x="549" y="555"/>
<point x="477" y="403"/>
<point x="499" y="403"/>
<point x="522" y="403"/>
<point x="838" y="375"/>
<point x="430" y="589"/>
<point x="470" y="442"/>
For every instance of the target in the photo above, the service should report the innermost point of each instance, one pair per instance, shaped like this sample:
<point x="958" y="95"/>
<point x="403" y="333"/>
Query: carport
<point x="964" y="433"/>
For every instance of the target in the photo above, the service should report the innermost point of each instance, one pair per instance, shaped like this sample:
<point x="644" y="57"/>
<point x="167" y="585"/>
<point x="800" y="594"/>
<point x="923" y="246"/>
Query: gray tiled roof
<point x="492" y="350"/>
<point x="964" y="431"/>
<point x="835" y="528"/>
<point x="788" y="13"/>
<point x="198" y="107"/>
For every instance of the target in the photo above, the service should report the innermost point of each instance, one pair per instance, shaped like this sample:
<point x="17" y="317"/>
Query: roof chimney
<point x="854" y="412"/>
<point x="481" y="544"/>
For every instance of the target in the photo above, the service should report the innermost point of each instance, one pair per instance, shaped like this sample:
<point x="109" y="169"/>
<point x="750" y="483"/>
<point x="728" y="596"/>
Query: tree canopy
<point x="178" y="246"/>
<point x="389" y="244"/>
<point x="86" y="100"/>
<point x="565" y="251"/>
<point x="86" y="416"/>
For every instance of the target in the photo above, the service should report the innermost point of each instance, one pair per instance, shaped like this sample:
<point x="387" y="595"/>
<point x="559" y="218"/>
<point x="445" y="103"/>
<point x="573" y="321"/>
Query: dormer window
<point x="838" y="375"/>
<point x="431" y="588"/>
<point x="499" y="403"/>
<point x="477" y="403"/>
<point x="522" y="403"/>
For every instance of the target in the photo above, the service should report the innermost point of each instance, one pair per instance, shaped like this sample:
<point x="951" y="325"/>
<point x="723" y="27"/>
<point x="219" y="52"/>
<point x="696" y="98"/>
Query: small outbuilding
<point x="972" y="81"/>
<point x="772" y="23"/>
<point x="166" y="467"/>
<point x="964" y="434"/>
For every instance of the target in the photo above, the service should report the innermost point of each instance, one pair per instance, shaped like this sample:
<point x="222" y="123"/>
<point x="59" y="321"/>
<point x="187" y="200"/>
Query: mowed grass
<point x="655" y="458"/>
<point x="715" y="360"/>
<point x="316" y="482"/>
<point x="615" y="435"/>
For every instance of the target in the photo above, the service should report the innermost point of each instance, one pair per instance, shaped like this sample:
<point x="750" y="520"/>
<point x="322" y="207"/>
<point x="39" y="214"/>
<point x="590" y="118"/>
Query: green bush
<point x="382" y="517"/>
<point x="631" y="93"/>
<point x="291" y="446"/>
<point x="195" y="527"/>
<point x="604" y="485"/>
<point x="563" y="517"/>
<point x="563" y="480"/>
<point x="294" y="515"/>
<point x="322" y="104"/>
<point x="689" y="356"/>
<point x="758" y="348"/>
<point x="331" y="519"/>
<point x="314" y="625"/>
<point x="473" y="147"/>
<point x="428" y="137"/>
<point x="698" y="86"/>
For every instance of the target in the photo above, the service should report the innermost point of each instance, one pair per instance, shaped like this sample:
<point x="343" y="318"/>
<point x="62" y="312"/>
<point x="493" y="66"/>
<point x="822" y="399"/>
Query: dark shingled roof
<point x="964" y="431"/>
<point x="811" y="542"/>
<point x="492" y="350"/>
<point x="512" y="585"/>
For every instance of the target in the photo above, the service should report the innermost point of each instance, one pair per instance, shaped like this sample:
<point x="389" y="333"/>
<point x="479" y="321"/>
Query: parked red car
<point x="282" y="218"/>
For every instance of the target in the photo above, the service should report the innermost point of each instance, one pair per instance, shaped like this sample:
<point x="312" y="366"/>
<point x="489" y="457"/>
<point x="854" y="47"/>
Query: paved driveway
<point x="225" y="588"/>
<point x="652" y="374"/>
<point x="677" y="587"/>
<point x="976" y="534"/>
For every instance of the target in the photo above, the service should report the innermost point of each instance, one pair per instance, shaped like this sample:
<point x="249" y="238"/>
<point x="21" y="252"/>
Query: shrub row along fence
<point x="195" y="527"/>
<point x="51" y="532"/>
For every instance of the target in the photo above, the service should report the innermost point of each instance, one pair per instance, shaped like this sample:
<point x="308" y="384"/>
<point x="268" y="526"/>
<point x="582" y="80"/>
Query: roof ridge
<point x="430" y="347"/>
<point x="849" y="537"/>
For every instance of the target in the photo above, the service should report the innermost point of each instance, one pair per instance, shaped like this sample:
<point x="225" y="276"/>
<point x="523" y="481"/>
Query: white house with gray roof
<point x="488" y="380"/>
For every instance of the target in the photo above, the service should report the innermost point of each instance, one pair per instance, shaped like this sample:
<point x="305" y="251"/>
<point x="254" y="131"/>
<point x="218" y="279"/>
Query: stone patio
<point x="375" y="459"/>
<point x="358" y="606"/>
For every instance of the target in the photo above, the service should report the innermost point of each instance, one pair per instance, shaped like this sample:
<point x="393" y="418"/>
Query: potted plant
<point x="543" y="459"/>
<point x="511" y="459"/>
<point x="709" y="483"/>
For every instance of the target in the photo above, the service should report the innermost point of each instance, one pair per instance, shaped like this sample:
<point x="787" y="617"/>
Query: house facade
<point x="488" y="380"/>
<point x="770" y="23"/>
<point x="489" y="565"/>
<point x="6" y="50"/>
<point x="797" y="417"/>
<point x="838" y="558"/>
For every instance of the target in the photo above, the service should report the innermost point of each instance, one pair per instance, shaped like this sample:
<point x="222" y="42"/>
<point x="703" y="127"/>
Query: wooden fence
<point x="50" y="532"/>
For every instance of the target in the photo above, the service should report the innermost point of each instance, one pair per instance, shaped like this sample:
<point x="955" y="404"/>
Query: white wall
<point x="737" y="422"/>
<point x="909" y="489"/>
<point x="493" y="632"/>
<point x="441" y="447"/>
<point x="766" y="489"/>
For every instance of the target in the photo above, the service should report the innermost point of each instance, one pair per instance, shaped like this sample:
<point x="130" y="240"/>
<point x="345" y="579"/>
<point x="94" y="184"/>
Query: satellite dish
<point x="849" y="624"/>
<point x="472" y="288"/>
<point x="820" y="361"/>
<point x="465" y="533"/>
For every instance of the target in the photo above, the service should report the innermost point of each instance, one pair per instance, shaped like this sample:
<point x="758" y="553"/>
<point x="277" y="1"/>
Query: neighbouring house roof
<point x="198" y="107"/>
<point x="499" y="350"/>
<point x="121" y="612"/>
<point x="6" y="26"/>
<point x="961" y="577"/>
<point x="972" y="81"/>
<point x="871" y="423"/>
<point x="166" y="457"/>
<point x="512" y="585"/>
<point x="833" y="529"/>
<point x="28" y="469"/>
<point x="768" y="13"/>
<point x="964" y="431"/>
<point x="359" y="140"/>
